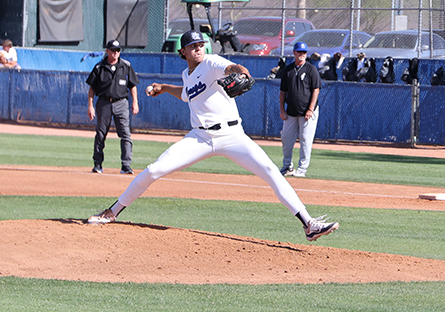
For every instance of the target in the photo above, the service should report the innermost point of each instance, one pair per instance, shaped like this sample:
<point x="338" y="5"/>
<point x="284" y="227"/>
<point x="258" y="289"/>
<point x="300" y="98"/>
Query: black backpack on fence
<point x="329" y="70"/>
<point x="277" y="72"/>
<point x="387" y="74"/>
<point x="368" y="73"/>
<point x="349" y="72"/>
<point x="438" y="78"/>
<point x="410" y="73"/>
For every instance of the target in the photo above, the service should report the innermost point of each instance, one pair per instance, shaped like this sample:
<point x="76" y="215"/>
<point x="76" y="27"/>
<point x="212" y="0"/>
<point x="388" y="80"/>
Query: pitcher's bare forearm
<point x="236" y="69"/>
<point x="156" y="89"/>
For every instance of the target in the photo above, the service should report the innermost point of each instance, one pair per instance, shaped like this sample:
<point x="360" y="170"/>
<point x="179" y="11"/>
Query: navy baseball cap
<point x="191" y="37"/>
<point x="113" y="44"/>
<point x="300" y="46"/>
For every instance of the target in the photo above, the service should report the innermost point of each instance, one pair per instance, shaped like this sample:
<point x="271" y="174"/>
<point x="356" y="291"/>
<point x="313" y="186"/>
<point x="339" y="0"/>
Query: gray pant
<point x="120" y="112"/>
<point x="298" y="128"/>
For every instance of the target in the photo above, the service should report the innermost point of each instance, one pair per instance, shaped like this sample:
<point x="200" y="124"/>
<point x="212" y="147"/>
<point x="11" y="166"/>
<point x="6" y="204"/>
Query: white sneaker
<point x="300" y="173"/>
<point x="104" y="217"/>
<point x="318" y="227"/>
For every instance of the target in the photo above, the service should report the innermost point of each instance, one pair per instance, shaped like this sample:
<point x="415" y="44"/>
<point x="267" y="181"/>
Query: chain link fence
<point x="270" y="27"/>
<point x="263" y="27"/>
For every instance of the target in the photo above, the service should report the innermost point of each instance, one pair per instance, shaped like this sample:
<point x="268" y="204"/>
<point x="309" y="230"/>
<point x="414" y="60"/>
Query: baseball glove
<point x="236" y="84"/>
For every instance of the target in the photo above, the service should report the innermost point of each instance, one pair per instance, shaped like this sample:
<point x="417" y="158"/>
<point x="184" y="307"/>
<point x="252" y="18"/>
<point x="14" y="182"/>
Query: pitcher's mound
<point x="69" y="249"/>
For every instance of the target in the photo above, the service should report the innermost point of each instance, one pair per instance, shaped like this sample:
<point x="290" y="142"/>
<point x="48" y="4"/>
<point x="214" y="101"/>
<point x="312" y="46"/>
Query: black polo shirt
<point x="299" y="83"/>
<point x="112" y="81"/>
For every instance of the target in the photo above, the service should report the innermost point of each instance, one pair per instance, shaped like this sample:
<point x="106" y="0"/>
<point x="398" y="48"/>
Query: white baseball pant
<point x="230" y="142"/>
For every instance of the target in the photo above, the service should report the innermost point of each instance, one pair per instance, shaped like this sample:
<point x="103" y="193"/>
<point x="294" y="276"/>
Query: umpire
<point x="299" y="89"/>
<point x="110" y="80"/>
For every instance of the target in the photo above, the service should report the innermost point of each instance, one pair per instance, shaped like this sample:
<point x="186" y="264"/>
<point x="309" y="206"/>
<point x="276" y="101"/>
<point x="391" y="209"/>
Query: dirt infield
<point x="127" y="252"/>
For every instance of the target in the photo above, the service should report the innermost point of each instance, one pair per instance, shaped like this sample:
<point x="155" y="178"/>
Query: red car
<point x="264" y="33"/>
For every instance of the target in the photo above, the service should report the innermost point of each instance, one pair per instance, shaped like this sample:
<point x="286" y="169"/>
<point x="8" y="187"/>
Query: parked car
<point x="328" y="41"/>
<point x="440" y="32"/>
<point x="402" y="44"/>
<point x="263" y="34"/>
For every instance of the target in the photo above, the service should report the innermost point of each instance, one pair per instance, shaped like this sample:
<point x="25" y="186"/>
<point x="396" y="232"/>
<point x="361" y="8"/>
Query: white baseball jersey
<point x="209" y="103"/>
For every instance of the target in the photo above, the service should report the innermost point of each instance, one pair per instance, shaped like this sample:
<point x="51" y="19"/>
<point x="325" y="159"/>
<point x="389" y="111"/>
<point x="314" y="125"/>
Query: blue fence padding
<point x="161" y="112"/>
<point x="78" y="99"/>
<point x="432" y="115"/>
<point x="39" y="96"/>
<point x="254" y="108"/>
<point x="258" y="66"/>
<point x="364" y="112"/>
<point x="348" y="111"/>
<point x="427" y="68"/>
<point x="156" y="63"/>
<point x="5" y="86"/>
<point x="63" y="60"/>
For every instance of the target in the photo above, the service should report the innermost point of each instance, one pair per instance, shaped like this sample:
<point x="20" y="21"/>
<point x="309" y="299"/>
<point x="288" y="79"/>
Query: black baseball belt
<point x="112" y="100"/>
<point x="218" y="125"/>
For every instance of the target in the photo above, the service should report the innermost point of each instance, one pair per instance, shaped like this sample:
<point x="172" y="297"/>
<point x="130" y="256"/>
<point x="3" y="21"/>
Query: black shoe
<point x="97" y="168"/>
<point x="287" y="171"/>
<point x="126" y="170"/>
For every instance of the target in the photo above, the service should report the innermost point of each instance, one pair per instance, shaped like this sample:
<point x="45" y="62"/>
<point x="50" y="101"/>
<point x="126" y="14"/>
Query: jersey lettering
<point x="196" y="90"/>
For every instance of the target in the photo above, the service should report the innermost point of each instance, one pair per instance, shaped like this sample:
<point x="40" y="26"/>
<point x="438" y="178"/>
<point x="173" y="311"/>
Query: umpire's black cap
<point x="113" y="44"/>
<point x="190" y="37"/>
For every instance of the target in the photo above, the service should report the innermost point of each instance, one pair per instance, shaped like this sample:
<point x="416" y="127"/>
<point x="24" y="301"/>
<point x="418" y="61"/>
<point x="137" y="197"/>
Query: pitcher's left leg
<point x="252" y="157"/>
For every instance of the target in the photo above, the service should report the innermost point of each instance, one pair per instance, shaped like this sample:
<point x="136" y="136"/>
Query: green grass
<point x="405" y="232"/>
<point x="40" y="295"/>
<point x="325" y="164"/>
<point x="376" y="168"/>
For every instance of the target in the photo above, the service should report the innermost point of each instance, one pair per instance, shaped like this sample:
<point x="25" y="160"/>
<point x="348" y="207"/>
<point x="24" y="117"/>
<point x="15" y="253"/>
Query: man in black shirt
<point x="110" y="80"/>
<point x="299" y="89"/>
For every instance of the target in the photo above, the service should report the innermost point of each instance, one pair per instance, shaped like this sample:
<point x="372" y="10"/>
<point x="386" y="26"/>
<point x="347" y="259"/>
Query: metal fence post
<point x="70" y="98"/>
<point x="283" y="25"/>
<point x="419" y="27"/>
<point x="414" y="112"/>
<point x="351" y="27"/>
<point x="10" y="98"/>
